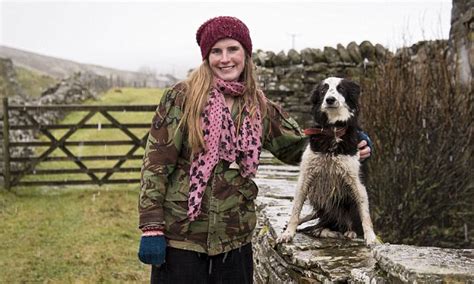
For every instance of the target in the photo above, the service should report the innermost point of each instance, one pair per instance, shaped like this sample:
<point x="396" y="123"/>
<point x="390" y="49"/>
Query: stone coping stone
<point x="426" y="264"/>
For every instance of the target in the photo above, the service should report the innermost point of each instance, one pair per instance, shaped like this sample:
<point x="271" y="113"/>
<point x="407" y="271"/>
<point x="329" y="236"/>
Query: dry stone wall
<point x="288" y="78"/>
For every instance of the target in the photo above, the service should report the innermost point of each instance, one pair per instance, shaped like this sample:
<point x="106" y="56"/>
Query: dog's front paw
<point x="371" y="239"/>
<point x="286" y="237"/>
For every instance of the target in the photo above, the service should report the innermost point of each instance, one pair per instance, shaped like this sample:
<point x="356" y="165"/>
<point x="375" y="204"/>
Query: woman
<point x="197" y="197"/>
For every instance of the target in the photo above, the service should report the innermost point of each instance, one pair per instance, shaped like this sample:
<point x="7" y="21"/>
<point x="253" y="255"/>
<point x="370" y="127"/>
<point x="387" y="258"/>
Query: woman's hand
<point x="364" y="150"/>
<point x="152" y="249"/>
<point x="365" y="146"/>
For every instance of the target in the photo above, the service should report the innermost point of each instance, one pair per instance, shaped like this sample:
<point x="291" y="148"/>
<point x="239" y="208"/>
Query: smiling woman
<point x="227" y="59"/>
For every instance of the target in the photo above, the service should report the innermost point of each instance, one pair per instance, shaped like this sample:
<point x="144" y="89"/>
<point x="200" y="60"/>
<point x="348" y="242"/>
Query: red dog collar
<point x="332" y="131"/>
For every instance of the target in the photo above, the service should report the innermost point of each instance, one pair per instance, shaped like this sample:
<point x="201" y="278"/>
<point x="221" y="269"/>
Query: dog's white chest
<point x="328" y="175"/>
<point x="329" y="164"/>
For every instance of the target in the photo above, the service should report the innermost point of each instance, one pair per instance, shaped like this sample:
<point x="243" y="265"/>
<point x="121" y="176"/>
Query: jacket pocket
<point x="231" y="190"/>
<point x="247" y="214"/>
<point x="234" y="217"/>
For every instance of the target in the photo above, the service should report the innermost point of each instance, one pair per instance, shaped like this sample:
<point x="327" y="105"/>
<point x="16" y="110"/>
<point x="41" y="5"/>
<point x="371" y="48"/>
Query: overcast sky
<point x="161" y="35"/>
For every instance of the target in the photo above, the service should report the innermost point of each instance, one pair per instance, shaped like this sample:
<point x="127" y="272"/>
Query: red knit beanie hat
<point x="218" y="28"/>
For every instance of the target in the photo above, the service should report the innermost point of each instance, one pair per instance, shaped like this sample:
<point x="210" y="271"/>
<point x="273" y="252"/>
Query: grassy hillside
<point x="84" y="234"/>
<point x="64" y="68"/>
<point x="33" y="83"/>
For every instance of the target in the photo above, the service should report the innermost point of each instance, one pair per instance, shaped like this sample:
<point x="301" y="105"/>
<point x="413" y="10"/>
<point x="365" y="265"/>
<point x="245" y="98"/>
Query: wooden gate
<point x="59" y="138"/>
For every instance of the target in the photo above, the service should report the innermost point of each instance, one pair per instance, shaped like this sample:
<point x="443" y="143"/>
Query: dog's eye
<point x="340" y="89"/>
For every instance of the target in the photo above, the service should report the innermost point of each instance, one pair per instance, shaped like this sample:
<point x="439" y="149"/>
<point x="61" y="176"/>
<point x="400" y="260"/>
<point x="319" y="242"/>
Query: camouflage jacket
<point x="227" y="216"/>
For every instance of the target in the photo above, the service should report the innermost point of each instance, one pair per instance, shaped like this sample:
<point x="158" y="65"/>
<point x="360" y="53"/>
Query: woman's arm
<point x="159" y="161"/>
<point x="282" y="135"/>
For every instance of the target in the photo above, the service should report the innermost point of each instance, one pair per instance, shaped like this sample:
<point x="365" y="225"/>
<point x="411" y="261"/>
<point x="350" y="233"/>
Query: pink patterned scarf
<point x="222" y="142"/>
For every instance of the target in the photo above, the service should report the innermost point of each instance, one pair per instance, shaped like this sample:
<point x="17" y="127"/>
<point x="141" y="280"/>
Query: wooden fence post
<point x="6" y="146"/>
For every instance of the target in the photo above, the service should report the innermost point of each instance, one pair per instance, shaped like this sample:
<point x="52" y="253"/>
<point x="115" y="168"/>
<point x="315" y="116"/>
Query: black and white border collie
<point x="330" y="168"/>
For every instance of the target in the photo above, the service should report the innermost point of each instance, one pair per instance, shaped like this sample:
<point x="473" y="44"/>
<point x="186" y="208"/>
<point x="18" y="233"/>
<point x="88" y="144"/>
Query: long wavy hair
<point x="197" y="88"/>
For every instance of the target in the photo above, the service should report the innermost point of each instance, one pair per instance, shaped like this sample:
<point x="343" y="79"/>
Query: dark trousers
<point x="184" y="266"/>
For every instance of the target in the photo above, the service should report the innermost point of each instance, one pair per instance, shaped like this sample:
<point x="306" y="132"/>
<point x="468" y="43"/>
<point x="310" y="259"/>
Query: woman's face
<point x="227" y="59"/>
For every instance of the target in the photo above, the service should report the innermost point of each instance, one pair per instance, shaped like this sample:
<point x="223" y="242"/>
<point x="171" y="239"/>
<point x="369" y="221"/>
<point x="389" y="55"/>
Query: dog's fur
<point x="330" y="169"/>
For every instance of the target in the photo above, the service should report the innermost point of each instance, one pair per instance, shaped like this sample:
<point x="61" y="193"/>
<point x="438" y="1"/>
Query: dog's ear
<point x="351" y="87"/>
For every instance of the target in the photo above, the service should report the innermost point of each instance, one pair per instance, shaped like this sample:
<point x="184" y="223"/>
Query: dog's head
<point x="335" y="100"/>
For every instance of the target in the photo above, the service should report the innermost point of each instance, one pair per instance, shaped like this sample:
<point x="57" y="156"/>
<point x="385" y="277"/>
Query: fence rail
<point x="16" y="167"/>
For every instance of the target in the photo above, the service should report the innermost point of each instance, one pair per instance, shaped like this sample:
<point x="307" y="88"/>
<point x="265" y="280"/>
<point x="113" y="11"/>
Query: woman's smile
<point x="227" y="59"/>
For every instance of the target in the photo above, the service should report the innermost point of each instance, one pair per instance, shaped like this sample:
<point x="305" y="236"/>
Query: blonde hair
<point x="197" y="88"/>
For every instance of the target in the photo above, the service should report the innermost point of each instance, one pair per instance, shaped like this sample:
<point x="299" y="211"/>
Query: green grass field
<point x="84" y="234"/>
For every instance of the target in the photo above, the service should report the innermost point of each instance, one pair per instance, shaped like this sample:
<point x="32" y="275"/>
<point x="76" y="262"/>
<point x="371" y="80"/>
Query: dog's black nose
<point x="330" y="100"/>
